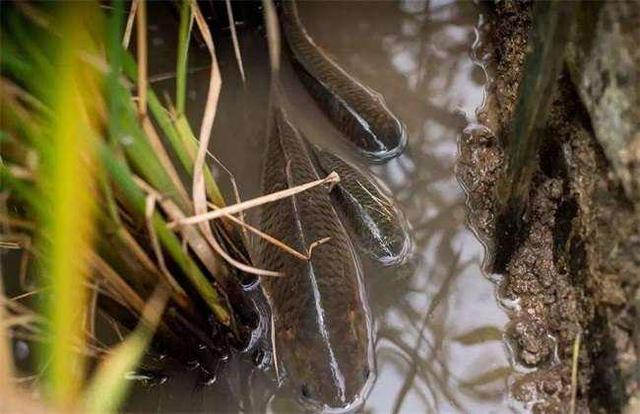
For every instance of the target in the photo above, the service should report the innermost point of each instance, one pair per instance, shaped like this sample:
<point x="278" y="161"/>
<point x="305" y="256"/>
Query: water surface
<point x="437" y="323"/>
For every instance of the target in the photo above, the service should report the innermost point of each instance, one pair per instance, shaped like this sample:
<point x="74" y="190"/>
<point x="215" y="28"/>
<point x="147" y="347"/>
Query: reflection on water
<point x="438" y="327"/>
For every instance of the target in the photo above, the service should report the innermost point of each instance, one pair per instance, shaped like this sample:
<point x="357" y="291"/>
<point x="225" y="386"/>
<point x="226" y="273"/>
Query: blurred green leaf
<point x="67" y="189"/>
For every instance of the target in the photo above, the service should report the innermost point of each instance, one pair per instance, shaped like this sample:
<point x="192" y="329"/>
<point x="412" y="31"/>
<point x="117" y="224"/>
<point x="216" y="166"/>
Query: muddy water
<point x="437" y="324"/>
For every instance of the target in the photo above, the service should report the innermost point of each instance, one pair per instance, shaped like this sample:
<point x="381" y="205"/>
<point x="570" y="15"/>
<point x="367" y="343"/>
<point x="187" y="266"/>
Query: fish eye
<point x="366" y="372"/>
<point x="305" y="391"/>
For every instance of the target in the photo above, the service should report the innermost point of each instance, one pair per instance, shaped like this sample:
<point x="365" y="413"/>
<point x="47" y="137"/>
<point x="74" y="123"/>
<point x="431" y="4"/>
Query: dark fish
<point x="321" y="320"/>
<point x="379" y="226"/>
<point x="360" y="113"/>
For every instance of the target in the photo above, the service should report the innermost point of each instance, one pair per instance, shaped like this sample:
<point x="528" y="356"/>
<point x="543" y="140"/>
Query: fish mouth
<point x="346" y="408"/>
<point x="351" y="405"/>
<point x="402" y="256"/>
<point x="408" y="245"/>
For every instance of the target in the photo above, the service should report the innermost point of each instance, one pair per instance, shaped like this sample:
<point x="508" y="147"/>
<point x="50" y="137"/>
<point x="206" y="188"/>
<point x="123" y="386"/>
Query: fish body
<point x="321" y="321"/>
<point x="380" y="228"/>
<point x="358" y="112"/>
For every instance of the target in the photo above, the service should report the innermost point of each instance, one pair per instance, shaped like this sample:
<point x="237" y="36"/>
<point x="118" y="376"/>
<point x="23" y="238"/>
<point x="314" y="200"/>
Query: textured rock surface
<point x="604" y="61"/>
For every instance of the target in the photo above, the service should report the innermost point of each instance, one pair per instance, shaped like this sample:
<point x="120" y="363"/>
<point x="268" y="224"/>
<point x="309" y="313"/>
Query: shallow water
<point x="437" y="323"/>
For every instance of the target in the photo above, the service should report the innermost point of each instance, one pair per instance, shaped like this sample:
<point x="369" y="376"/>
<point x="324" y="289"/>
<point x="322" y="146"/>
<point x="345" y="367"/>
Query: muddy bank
<point x="576" y="268"/>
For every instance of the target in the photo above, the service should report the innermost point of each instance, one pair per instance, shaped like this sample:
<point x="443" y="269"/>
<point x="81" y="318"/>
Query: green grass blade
<point x="179" y="134"/>
<point x="184" y="36"/>
<point x="114" y="56"/>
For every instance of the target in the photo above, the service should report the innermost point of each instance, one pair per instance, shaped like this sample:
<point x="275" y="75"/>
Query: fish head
<point x="328" y="376"/>
<point x="392" y="244"/>
<point x="391" y="135"/>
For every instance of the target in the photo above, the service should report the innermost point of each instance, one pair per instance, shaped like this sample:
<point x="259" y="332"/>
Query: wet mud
<point x="575" y="269"/>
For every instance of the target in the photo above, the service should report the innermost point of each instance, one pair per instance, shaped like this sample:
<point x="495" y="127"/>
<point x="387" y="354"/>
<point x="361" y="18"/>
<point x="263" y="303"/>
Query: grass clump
<point x="88" y="175"/>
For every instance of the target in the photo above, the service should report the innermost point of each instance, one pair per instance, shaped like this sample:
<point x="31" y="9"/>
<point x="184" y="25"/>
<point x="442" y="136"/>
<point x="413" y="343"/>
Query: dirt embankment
<point x="577" y="268"/>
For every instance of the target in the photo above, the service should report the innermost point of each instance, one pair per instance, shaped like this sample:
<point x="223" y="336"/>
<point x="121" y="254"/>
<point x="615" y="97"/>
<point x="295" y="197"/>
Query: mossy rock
<point x="604" y="62"/>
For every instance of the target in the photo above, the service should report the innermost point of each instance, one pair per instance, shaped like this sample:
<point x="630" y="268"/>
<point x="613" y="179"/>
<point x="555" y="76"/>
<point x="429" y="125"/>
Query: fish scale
<point x="360" y="113"/>
<point x="321" y="319"/>
<point x="380" y="228"/>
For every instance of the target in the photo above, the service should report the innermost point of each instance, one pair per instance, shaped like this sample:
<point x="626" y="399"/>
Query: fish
<point x="360" y="113"/>
<point x="378" y="225"/>
<point x="321" y="322"/>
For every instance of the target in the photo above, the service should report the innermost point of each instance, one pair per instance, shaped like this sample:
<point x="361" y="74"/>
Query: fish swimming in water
<point x="380" y="228"/>
<point x="321" y="321"/>
<point x="358" y="112"/>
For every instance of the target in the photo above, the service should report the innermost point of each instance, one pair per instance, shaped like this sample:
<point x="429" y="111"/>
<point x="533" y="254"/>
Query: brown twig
<point x="129" y="27"/>
<point x="234" y="39"/>
<point x="574" y="372"/>
<point x="273" y="35"/>
<point x="281" y="245"/>
<point x="333" y="177"/>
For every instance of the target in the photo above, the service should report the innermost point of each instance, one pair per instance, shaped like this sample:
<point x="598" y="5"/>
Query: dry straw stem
<point x="129" y="28"/>
<point x="236" y="191"/>
<point x="332" y="178"/>
<point x="21" y="173"/>
<point x="234" y="39"/>
<point x="141" y="33"/>
<point x="18" y="320"/>
<point x="163" y="76"/>
<point x="574" y="372"/>
<point x="200" y="243"/>
<point x="9" y="245"/>
<point x="264" y="235"/>
<point x="16" y="222"/>
<point x="189" y="146"/>
<point x="283" y="246"/>
<point x="116" y="287"/>
<point x="179" y="293"/>
<point x="34" y="327"/>
<point x="199" y="189"/>
<point x="273" y="35"/>
<point x="215" y="84"/>
<point x="136" y="250"/>
<point x="141" y="269"/>
<point x="90" y="316"/>
<point x="25" y="259"/>
<point x="13" y="241"/>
